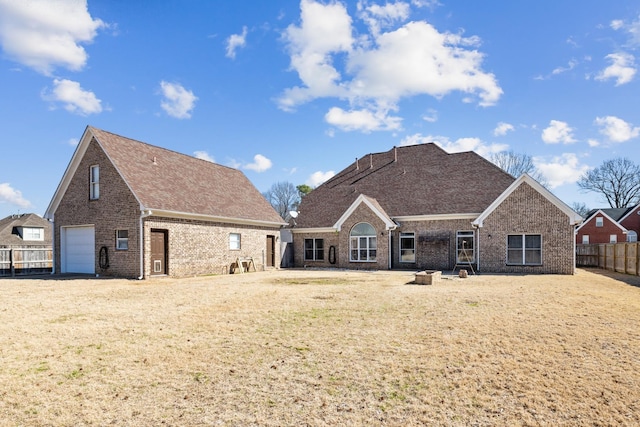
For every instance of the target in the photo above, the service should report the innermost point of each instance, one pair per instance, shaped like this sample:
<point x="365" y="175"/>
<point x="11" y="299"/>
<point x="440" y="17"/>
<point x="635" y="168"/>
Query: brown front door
<point x="158" y="252"/>
<point x="271" y="245"/>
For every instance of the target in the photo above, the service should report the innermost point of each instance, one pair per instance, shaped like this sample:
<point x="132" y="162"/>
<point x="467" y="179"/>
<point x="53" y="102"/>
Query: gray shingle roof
<point x="9" y="225"/>
<point x="162" y="179"/>
<point x="414" y="180"/>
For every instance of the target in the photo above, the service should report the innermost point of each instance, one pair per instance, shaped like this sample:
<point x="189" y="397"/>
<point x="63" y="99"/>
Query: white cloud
<point x="44" y="34"/>
<point x="260" y="163"/>
<point x="502" y="128"/>
<point x="178" y="101"/>
<point x="431" y="116"/>
<point x="616" y="129"/>
<point x="622" y="68"/>
<point x="12" y="196"/>
<point x="616" y="24"/>
<point x="558" y="132"/>
<point x="325" y="29"/>
<point x="75" y="99"/>
<point x="362" y="120"/>
<point x="377" y="16"/>
<point x="570" y="66"/>
<point x="203" y="155"/>
<point x="593" y="142"/>
<point x="382" y="67"/>
<point x="560" y="170"/>
<point x="236" y="41"/>
<point x="457" y="146"/>
<point x="319" y="177"/>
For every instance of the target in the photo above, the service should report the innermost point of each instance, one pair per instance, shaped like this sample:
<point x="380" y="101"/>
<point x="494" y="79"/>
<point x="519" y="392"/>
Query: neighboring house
<point x="129" y="209"/>
<point x="610" y="225"/>
<point x="25" y="244"/>
<point x="419" y="207"/>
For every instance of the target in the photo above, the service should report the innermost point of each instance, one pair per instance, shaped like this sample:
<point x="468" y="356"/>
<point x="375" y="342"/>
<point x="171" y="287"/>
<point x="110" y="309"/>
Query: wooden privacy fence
<point x="21" y="261"/>
<point x="620" y="257"/>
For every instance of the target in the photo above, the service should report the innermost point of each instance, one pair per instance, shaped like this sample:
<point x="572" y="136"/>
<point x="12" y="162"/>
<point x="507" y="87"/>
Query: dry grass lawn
<point x="298" y="347"/>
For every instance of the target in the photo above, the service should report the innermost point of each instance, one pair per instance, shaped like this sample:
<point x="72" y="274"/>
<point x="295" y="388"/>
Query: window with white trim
<point x="632" y="236"/>
<point x="32" y="233"/>
<point x="599" y="221"/>
<point x="314" y="249"/>
<point x="234" y="241"/>
<point x="613" y="238"/>
<point x="524" y="249"/>
<point x="363" y="243"/>
<point x="585" y="239"/>
<point x="94" y="182"/>
<point x="122" y="240"/>
<point x="465" y="247"/>
<point x="407" y="247"/>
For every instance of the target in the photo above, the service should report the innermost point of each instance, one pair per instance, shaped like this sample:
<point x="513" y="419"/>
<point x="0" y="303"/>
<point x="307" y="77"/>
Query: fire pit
<point x="428" y="277"/>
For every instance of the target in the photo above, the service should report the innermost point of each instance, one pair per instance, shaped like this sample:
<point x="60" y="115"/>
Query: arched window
<point x="363" y="243"/>
<point x="632" y="236"/>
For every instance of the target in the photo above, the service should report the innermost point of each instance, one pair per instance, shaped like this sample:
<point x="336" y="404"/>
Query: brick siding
<point x="526" y="211"/>
<point x="195" y="247"/>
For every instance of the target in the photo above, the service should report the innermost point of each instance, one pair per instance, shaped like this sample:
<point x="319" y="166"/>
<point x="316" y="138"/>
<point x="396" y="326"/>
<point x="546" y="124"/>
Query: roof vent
<point x="357" y="165"/>
<point x="155" y="162"/>
<point x="395" y="153"/>
<point x="371" y="160"/>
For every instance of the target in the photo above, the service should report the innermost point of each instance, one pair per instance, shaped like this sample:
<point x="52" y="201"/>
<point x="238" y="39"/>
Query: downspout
<point x="143" y="214"/>
<point x="478" y="245"/>
<point x="390" y="250"/>
<point x="53" y="245"/>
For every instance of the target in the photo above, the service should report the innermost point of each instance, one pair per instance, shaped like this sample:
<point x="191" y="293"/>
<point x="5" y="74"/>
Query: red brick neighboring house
<point x="419" y="207"/>
<point x="129" y="209"/>
<point x="610" y="225"/>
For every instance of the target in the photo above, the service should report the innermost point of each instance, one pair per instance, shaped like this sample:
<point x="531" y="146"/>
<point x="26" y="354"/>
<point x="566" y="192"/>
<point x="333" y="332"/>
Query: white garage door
<point x="78" y="250"/>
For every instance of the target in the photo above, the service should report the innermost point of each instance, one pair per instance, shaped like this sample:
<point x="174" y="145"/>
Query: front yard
<point x="321" y="348"/>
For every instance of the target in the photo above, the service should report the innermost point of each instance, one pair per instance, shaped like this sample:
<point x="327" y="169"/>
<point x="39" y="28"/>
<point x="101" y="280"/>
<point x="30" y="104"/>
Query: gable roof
<point x="10" y="237"/>
<point x="614" y="214"/>
<point x="574" y="217"/>
<point x="371" y="204"/>
<point x="414" y="180"/>
<point x="629" y="212"/>
<point x="593" y="215"/>
<point x="174" y="184"/>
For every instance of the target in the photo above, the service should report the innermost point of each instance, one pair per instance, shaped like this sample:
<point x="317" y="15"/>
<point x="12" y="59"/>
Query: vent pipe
<point x="357" y="165"/>
<point x="371" y="160"/>
<point x="395" y="154"/>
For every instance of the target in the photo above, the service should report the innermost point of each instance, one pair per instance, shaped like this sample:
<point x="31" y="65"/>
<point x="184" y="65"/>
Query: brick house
<point x="610" y="225"/>
<point x="419" y="207"/>
<point x="129" y="209"/>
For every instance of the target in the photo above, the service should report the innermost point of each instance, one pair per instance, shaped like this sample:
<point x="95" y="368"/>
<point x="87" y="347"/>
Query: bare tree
<point x="618" y="180"/>
<point x="515" y="164"/>
<point x="284" y="197"/>
<point x="581" y="208"/>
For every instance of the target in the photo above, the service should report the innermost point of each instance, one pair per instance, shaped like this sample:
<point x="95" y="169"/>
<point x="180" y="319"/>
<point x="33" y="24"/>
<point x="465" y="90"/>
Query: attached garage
<point x="77" y="247"/>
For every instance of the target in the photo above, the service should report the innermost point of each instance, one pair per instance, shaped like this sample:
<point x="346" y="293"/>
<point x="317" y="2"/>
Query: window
<point x="32" y="233"/>
<point x="234" y="241"/>
<point x="314" y="249"/>
<point x="632" y="236"/>
<point x="585" y="239"/>
<point x="465" y="247"/>
<point x="524" y="249"/>
<point x="407" y="247"/>
<point x="94" y="182"/>
<point x="599" y="221"/>
<point x="613" y="238"/>
<point x="122" y="240"/>
<point x="363" y="243"/>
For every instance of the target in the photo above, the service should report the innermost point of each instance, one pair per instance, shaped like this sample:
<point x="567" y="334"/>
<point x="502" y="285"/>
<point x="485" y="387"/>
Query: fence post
<point x="12" y="267"/>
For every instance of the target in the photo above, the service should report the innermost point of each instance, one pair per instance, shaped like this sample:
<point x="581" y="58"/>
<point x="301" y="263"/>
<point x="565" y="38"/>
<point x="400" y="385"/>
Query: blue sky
<point x="296" y="90"/>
